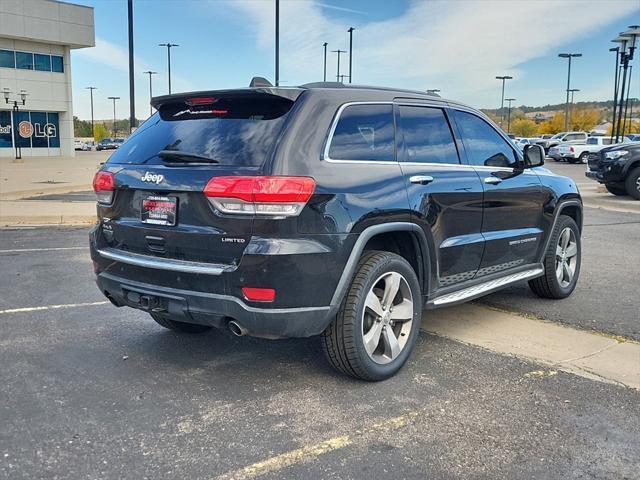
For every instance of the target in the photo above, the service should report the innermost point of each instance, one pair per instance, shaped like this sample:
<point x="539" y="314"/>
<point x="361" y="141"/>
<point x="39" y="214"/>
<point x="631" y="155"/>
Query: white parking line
<point x="49" y="249"/>
<point x="51" y="307"/>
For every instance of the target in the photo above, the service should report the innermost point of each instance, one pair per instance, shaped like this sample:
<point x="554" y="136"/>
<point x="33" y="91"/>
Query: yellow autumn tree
<point x="524" y="127"/>
<point x="555" y="125"/>
<point x="584" y="119"/>
<point x="629" y="127"/>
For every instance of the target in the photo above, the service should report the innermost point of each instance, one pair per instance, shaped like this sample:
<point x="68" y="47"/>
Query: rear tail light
<point x="259" y="294"/>
<point x="260" y="195"/>
<point x="104" y="186"/>
<point x="571" y="149"/>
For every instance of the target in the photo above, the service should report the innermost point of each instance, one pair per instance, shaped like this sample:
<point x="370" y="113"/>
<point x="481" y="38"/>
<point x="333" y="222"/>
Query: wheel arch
<point x="403" y="238"/>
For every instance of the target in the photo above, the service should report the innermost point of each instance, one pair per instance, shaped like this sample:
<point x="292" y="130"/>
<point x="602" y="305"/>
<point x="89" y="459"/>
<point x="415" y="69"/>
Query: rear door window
<point x="427" y="135"/>
<point x="364" y="132"/>
<point x="239" y="130"/>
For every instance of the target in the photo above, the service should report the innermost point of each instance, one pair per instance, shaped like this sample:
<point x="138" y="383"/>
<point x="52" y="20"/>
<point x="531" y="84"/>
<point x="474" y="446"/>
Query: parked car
<point x="79" y="145"/>
<point x="634" y="137"/>
<point x="118" y="142"/>
<point x="563" y="137"/>
<point x="303" y="211"/>
<point x="617" y="167"/>
<point x="580" y="153"/>
<point x="106" y="144"/>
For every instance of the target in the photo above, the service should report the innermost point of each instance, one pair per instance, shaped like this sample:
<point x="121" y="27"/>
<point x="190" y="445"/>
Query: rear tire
<point x="561" y="261"/>
<point x="616" y="189"/>
<point x="177" y="326"/>
<point x="378" y="323"/>
<point x="632" y="183"/>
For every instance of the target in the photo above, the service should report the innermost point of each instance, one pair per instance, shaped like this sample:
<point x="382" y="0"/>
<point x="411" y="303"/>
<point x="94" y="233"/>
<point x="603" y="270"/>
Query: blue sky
<point x="458" y="46"/>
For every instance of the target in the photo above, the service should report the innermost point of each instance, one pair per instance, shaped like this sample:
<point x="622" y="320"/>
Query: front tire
<point x="584" y="157"/>
<point x="378" y="323"/>
<point x="632" y="183"/>
<point x="616" y="189"/>
<point x="561" y="262"/>
<point x="181" y="327"/>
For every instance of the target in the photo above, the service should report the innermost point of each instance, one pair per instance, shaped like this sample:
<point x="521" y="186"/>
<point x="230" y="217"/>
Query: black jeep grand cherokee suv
<point x="326" y="210"/>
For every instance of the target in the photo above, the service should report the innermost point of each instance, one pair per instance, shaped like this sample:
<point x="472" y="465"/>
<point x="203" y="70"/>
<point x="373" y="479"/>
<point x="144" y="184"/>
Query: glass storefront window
<point x="7" y="59"/>
<point x="24" y="60"/>
<point x="30" y="129"/>
<point x="42" y="62"/>
<point x="57" y="64"/>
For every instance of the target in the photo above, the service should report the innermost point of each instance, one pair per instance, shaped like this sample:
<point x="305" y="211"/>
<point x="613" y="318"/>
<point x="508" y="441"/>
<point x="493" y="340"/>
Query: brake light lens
<point x="104" y="186"/>
<point x="571" y="149"/>
<point x="259" y="294"/>
<point x="260" y="195"/>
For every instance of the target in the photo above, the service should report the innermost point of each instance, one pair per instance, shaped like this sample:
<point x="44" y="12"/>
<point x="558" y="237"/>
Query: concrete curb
<point x="45" y="190"/>
<point x="591" y="355"/>
<point x="46" y="220"/>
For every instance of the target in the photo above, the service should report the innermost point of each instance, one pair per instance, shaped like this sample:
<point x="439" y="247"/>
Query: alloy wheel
<point x="566" y="257"/>
<point x="387" y="317"/>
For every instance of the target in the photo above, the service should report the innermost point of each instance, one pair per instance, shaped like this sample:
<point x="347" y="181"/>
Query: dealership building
<point x="36" y="39"/>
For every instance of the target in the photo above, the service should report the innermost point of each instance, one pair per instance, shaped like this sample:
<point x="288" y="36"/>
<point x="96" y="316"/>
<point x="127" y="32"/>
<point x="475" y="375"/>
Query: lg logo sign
<point x="27" y="129"/>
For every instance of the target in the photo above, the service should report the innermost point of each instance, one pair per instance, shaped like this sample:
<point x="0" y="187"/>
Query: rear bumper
<point x="216" y="309"/>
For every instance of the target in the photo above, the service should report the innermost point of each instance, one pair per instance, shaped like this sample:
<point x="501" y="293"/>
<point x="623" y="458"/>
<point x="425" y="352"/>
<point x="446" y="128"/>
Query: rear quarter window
<point x="364" y="132"/>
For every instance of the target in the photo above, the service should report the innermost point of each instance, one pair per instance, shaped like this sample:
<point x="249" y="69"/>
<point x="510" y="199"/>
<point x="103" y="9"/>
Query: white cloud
<point x="458" y="46"/>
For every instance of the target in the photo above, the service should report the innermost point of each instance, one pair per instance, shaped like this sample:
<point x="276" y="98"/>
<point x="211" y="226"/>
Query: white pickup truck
<point x="580" y="153"/>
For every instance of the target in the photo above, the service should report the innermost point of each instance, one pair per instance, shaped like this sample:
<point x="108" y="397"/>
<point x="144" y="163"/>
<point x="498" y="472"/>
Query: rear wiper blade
<point x="186" y="156"/>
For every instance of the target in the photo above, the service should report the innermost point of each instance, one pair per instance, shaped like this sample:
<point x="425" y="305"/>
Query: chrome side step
<point x="486" y="287"/>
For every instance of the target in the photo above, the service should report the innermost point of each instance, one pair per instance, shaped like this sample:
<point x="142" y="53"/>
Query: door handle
<point x="492" y="180"/>
<point x="421" y="179"/>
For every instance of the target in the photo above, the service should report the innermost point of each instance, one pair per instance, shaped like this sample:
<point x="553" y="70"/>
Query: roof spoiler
<point x="259" y="82"/>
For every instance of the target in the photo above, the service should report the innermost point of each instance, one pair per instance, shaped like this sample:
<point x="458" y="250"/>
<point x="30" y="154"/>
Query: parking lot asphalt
<point x="92" y="391"/>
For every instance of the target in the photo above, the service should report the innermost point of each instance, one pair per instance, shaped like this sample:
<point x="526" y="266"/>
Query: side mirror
<point x="533" y="156"/>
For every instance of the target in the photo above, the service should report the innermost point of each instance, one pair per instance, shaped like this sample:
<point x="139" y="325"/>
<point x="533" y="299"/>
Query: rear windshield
<point x="233" y="131"/>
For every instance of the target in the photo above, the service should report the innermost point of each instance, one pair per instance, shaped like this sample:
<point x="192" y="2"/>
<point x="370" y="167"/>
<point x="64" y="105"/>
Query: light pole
<point x="325" y="62"/>
<point x="169" y="45"/>
<point x="503" y="78"/>
<point x="509" y="114"/>
<point x="615" y="89"/>
<point x="277" y="43"/>
<point x="114" y="114"/>
<point x="132" y="88"/>
<point x="566" y="107"/>
<point x="93" y="133"/>
<point x="627" y="42"/>
<point x="342" y="77"/>
<point x="433" y="91"/>
<point x="351" y="29"/>
<point x="573" y="90"/>
<point x="338" y="72"/>
<point x="16" y="108"/>
<point x="150" y="73"/>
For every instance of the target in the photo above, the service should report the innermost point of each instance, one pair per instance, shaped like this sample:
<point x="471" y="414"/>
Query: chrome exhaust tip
<point x="236" y="329"/>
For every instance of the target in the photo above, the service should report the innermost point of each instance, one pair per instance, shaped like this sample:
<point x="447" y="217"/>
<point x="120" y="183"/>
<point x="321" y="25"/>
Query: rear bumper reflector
<point x="158" y="263"/>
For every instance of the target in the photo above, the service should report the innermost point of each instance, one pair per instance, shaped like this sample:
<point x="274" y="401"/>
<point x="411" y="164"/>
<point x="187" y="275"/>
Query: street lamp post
<point x="627" y="42"/>
<point x="169" y="45"/>
<point x="615" y="88"/>
<point x="503" y="78"/>
<point x="277" y="43"/>
<point x="324" y="76"/>
<point x="566" y="107"/>
<point x="16" y="109"/>
<point x="150" y="73"/>
<point x="114" y="114"/>
<point x="338" y="72"/>
<point x="351" y="29"/>
<point x="509" y="113"/>
<point x="573" y="90"/>
<point x="93" y="133"/>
